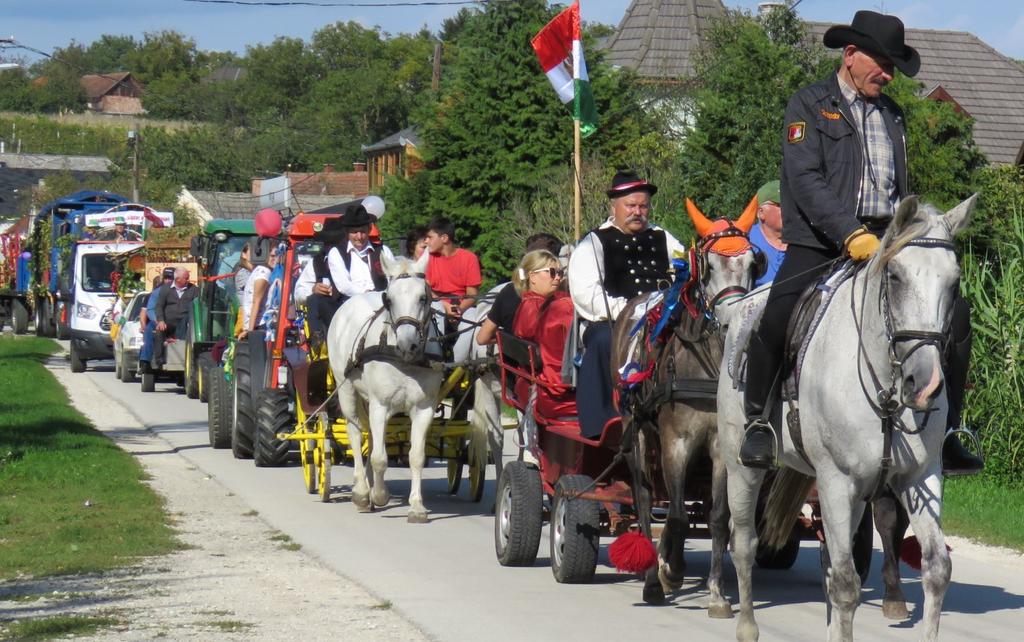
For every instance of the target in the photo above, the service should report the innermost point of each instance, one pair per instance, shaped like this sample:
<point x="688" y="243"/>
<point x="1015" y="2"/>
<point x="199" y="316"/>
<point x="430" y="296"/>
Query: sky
<point x="48" y="24"/>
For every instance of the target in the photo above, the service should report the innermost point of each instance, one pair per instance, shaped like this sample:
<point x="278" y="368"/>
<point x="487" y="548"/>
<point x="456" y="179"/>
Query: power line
<point x="300" y="3"/>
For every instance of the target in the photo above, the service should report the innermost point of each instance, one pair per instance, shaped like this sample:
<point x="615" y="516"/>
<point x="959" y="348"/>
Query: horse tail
<point x="787" y="496"/>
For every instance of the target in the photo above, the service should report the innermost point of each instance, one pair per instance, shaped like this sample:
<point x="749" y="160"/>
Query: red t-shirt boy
<point x="452" y="273"/>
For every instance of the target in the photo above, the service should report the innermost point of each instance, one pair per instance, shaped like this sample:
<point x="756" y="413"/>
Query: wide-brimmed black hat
<point x="357" y="216"/>
<point x="879" y="34"/>
<point x="626" y="182"/>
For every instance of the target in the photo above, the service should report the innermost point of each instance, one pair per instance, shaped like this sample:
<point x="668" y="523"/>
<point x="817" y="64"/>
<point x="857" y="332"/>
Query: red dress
<point x="546" y="322"/>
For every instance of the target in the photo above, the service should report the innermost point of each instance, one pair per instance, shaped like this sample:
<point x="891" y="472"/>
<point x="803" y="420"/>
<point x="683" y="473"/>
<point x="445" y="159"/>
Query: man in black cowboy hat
<point x="844" y="170"/>
<point x="625" y="257"/>
<point x="350" y="265"/>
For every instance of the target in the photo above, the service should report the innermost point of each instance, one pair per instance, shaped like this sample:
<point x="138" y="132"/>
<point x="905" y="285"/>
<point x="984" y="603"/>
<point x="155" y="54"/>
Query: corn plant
<point x="994" y="285"/>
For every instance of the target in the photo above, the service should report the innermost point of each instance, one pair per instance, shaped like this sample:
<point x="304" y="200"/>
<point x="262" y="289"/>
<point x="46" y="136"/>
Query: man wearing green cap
<point x="766" y="235"/>
<point x="122" y="233"/>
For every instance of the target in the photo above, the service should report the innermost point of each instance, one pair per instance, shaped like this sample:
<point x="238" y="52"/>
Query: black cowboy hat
<point x="357" y="216"/>
<point x="626" y="182"/>
<point x="878" y="33"/>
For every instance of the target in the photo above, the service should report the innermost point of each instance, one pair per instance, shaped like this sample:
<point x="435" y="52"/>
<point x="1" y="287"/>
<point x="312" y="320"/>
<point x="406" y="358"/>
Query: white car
<point x="129" y="340"/>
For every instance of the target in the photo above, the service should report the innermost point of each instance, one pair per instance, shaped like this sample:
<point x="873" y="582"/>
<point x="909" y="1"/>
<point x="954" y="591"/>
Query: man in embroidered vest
<point x="350" y="266"/>
<point x="844" y="172"/>
<point x="625" y="257"/>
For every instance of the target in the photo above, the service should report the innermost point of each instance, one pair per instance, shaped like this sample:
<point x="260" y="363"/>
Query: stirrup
<point x="762" y="425"/>
<point x="975" y="447"/>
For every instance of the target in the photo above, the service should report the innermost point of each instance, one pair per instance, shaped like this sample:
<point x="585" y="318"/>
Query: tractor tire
<point x="575" y="532"/>
<point x="272" y="417"/>
<point x="77" y="362"/>
<point x="243" y="427"/>
<point x="518" y="515"/>
<point x="218" y="409"/>
<point x="19" y="317"/>
<point x="191" y="374"/>
<point x="42" y="319"/>
<point x="206" y="368"/>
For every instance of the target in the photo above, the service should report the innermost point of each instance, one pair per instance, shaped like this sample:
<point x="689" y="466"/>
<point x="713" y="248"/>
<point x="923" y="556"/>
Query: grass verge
<point x="981" y="509"/>
<point x="70" y="500"/>
<point x="57" y="626"/>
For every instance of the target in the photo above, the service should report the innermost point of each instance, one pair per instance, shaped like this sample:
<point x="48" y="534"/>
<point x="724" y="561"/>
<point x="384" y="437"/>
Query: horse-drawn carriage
<point x="286" y="389"/>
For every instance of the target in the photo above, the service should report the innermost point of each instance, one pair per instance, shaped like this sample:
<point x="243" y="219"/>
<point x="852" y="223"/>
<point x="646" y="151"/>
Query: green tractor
<point x="217" y="251"/>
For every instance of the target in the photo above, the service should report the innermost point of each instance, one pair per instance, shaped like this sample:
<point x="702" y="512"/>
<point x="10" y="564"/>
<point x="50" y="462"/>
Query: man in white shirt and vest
<point x="625" y="257"/>
<point x="352" y="266"/>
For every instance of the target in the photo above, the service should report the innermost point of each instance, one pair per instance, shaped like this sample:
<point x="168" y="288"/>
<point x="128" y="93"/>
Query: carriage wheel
<point x="477" y="468"/>
<point x="307" y="449"/>
<point x="323" y="463"/>
<point x="455" y="468"/>
<point x="575" y="532"/>
<point x="862" y="549"/>
<point x="518" y="515"/>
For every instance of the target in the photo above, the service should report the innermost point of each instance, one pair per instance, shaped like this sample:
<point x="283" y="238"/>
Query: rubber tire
<point x="218" y="410"/>
<point x="127" y="374"/>
<point x="77" y="362"/>
<point x="191" y="373"/>
<point x="206" y="368"/>
<point x="784" y="557"/>
<point x="61" y="331"/>
<point x="863" y="545"/>
<point x="117" y="366"/>
<point x="243" y="426"/>
<point x="272" y="417"/>
<point x="19" y="317"/>
<point x="148" y="381"/>
<point x="520" y="488"/>
<point x="576" y="562"/>
<point x="42" y="319"/>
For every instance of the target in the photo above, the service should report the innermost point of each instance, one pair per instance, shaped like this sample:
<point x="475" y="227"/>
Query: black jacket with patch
<point x="823" y="165"/>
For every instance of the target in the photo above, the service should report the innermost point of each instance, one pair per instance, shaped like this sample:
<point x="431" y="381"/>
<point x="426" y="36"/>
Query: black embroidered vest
<point x="633" y="265"/>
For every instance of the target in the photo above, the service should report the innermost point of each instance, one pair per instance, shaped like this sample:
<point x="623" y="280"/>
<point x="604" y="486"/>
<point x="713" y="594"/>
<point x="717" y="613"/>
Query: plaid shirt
<point x="878" y="184"/>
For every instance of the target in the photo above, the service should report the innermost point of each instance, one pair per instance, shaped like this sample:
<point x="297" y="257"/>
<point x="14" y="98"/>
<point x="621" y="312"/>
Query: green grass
<point x="984" y="510"/>
<point x="56" y="626"/>
<point x="227" y="626"/>
<point x="51" y="462"/>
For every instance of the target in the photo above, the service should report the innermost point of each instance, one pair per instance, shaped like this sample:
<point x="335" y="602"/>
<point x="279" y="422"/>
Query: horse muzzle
<point x="922" y="378"/>
<point x="410" y="338"/>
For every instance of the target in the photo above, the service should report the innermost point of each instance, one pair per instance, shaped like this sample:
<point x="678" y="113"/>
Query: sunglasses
<point x="552" y="272"/>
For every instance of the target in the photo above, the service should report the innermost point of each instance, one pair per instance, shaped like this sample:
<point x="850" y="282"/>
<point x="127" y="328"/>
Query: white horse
<point x="880" y="343"/>
<point x="376" y="346"/>
<point x="486" y="415"/>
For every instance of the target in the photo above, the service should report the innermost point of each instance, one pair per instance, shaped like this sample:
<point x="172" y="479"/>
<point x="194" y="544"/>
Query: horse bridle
<point x="706" y="244"/>
<point x="888" y="399"/>
<point x="420" y="324"/>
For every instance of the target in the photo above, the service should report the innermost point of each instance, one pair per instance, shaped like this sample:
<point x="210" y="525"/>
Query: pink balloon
<point x="268" y="222"/>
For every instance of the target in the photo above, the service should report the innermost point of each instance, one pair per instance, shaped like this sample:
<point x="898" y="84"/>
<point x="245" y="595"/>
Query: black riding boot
<point x="758" y="449"/>
<point x="956" y="459"/>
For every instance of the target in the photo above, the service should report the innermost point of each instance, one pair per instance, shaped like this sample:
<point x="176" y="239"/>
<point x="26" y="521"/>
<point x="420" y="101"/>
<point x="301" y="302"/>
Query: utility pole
<point x="133" y="139"/>
<point x="435" y="82"/>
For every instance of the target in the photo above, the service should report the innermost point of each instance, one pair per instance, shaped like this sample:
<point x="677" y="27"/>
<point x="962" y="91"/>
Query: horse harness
<point x="384" y="352"/>
<point x="886" y="403"/>
<point x="706" y="245"/>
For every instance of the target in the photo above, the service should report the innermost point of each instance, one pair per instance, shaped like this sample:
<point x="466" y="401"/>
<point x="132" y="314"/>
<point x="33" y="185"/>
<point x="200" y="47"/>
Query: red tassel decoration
<point x="631" y="552"/>
<point x="910" y="552"/>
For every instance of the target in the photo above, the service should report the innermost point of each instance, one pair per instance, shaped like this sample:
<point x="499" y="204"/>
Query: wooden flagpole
<point x="578" y="183"/>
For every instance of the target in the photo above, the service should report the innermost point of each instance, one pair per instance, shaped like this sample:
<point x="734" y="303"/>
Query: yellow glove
<point x="861" y="244"/>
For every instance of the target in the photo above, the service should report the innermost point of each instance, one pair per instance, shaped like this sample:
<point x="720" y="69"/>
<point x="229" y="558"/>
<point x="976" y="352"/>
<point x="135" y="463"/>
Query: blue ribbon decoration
<point x="672" y="298"/>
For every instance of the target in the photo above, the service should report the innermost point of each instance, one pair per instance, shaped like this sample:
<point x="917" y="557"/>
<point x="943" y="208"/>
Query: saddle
<point x="807" y="314"/>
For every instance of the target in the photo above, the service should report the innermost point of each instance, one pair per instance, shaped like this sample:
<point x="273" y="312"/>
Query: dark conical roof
<point x="657" y="38"/>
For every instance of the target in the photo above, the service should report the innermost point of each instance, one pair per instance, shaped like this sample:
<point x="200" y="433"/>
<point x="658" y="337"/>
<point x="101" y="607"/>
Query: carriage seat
<point x="521" y="367"/>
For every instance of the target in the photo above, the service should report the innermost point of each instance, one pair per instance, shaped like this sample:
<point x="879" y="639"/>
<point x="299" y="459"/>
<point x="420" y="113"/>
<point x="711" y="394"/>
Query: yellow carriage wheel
<point x="306" y="449"/>
<point x="323" y="457"/>
<point x="455" y="468"/>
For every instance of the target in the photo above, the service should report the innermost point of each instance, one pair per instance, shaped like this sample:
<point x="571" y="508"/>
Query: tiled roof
<point x="242" y="205"/>
<point x="96" y="85"/>
<point x="16" y="186"/>
<point x="398" y="139"/>
<point x="984" y="82"/>
<point x="658" y="38"/>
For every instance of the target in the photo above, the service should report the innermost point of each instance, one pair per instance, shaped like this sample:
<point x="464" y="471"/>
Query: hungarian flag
<point x="559" y="48"/>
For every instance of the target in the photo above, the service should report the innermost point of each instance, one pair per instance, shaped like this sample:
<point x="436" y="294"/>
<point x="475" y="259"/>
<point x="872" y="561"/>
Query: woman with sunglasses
<point x="254" y="297"/>
<point x="544" y="317"/>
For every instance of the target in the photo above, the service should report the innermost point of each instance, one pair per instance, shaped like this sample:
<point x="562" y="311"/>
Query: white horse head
<point x="728" y="259"/>
<point x="407" y="304"/>
<point x="920" y="277"/>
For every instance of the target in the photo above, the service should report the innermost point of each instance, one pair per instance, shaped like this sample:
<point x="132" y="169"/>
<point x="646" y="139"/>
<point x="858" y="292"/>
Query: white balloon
<point x="374" y="206"/>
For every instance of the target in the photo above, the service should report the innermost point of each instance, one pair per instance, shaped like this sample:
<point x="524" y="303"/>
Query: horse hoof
<point x="720" y="611"/>
<point x="653" y="594"/>
<point x="417" y="518"/>
<point x="364" y="508"/>
<point x="893" y="610"/>
<point x="380" y="500"/>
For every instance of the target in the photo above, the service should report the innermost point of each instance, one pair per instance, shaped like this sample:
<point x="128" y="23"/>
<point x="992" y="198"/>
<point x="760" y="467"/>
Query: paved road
<point x="444" y="577"/>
